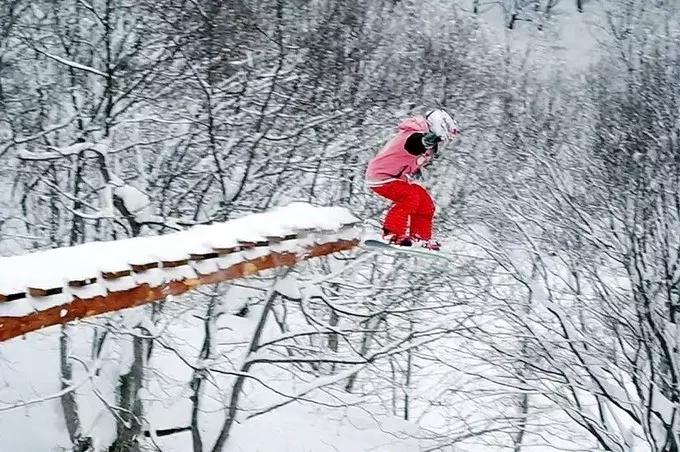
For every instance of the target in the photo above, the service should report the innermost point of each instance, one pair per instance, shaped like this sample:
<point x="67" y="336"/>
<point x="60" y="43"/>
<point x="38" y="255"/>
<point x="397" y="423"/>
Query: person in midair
<point x="391" y="174"/>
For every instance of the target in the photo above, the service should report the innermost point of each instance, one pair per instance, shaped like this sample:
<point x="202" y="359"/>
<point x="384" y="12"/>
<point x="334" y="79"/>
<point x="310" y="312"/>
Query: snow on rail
<point x="126" y="273"/>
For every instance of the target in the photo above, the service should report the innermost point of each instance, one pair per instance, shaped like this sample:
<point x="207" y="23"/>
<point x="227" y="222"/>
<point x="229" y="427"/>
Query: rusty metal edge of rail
<point x="11" y="327"/>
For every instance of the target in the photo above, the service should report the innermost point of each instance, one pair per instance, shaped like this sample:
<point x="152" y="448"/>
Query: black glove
<point x="430" y="140"/>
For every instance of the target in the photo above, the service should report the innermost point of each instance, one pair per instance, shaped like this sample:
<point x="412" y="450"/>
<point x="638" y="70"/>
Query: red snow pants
<point x="411" y="202"/>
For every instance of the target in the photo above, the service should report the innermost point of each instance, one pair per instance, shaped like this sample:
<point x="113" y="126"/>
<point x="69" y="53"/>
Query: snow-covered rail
<point x="64" y="284"/>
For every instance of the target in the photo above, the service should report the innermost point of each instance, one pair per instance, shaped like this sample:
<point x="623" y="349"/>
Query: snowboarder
<point x="391" y="174"/>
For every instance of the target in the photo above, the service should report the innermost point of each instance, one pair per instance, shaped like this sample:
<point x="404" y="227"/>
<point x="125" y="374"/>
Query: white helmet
<point x="442" y="124"/>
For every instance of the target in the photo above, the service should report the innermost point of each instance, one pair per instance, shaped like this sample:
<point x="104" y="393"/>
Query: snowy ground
<point x="28" y="381"/>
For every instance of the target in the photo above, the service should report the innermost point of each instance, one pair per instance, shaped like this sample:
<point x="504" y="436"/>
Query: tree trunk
<point x="407" y="384"/>
<point x="199" y="376"/>
<point x="69" y="405"/>
<point x="365" y="344"/>
<point x="522" y="428"/>
<point x="333" y="337"/>
<point x="128" y="425"/>
<point x="232" y="408"/>
<point x="525" y="353"/>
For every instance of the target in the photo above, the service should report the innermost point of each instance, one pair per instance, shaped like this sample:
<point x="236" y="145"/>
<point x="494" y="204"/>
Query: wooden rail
<point x="79" y="308"/>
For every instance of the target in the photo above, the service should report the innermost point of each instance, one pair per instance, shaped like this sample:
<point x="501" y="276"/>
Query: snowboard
<point x="412" y="250"/>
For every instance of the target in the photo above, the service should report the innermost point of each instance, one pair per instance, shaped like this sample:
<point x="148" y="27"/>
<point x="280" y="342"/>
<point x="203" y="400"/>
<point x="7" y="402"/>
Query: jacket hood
<point x="414" y="124"/>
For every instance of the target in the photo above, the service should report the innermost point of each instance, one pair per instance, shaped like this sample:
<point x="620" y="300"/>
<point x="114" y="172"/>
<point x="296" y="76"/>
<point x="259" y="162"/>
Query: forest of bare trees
<point x="555" y="327"/>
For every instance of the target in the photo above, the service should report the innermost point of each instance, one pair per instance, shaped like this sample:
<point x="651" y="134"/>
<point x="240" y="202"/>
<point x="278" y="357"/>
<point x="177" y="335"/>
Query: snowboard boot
<point x="396" y="239"/>
<point x="429" y="244"/>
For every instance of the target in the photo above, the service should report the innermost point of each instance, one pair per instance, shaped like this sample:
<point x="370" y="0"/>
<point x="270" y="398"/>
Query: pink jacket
<point x="393" y="162"/>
